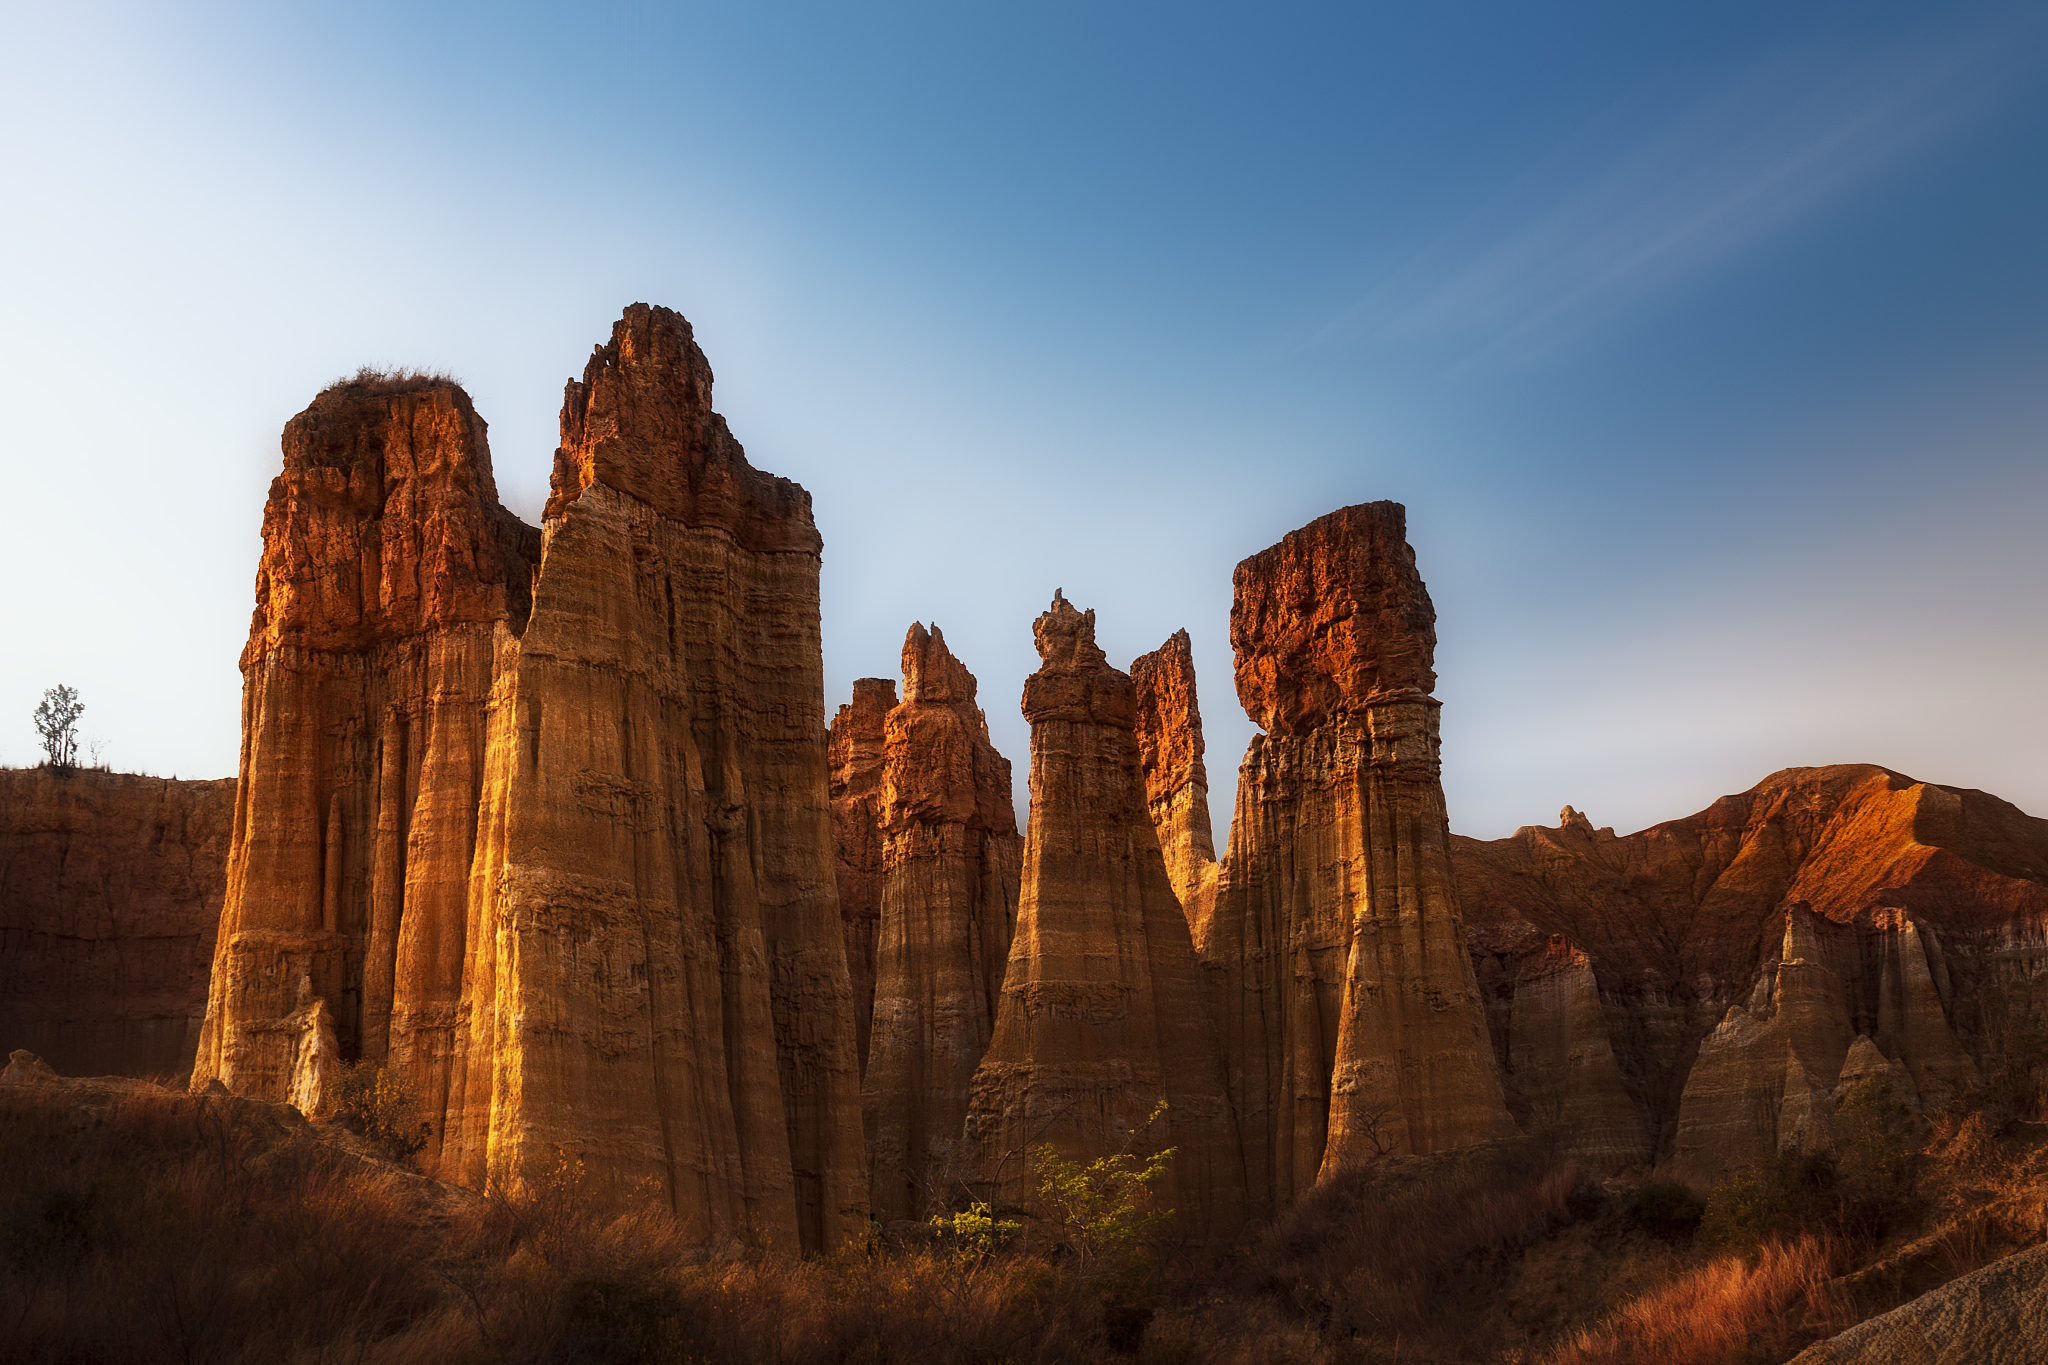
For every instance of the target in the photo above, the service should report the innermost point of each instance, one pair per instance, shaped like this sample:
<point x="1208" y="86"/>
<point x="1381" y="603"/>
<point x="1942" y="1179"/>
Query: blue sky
<point x="1706" y="344"/>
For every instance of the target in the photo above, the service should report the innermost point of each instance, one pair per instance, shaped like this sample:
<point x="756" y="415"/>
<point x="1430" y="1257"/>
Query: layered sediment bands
<point x="110" y="898"/>
<point x="951" y="859"/>
<point x="1544" y="1014"/>
<point x="656" y="973"/>
<point x="389" y="572"/>
<point x="539" y="820"/>
<point x="1169" y="731"/>
<point x="1346" y="999"/>
<point x="1825" y="924"/>
<point x="854" y="750"/>
<point x="1103" y="1012"/>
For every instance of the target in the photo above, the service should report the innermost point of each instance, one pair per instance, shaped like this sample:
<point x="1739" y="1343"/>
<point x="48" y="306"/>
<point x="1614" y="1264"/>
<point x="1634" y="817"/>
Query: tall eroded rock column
<point x="656" y="974"/>
<point x="1169" y="730"/>
<point x="1104" y="1011"/>
<point x="951" y="862"/>
<point x="389" y="574"/>
<point x="1347" y="1002"/>
<point x="854" y="754"/>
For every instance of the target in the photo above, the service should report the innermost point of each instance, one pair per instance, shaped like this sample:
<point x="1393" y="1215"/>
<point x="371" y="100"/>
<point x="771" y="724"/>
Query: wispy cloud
<point x="1649" y="196"/>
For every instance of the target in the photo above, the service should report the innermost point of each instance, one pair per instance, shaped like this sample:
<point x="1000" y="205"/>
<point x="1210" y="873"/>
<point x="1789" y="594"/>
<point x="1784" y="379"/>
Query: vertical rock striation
<point x="951" y="860"/>
<point x="540" y="820"/>
<point x="110" y="897"/>
<point x="1103" y="1012"/>
<point x="388" y="573"/>
<point x="656" y="973"/>
<point x="854" y="754"/>
<point x="1347" y="1002"/>
<point x="1169" y="730"/>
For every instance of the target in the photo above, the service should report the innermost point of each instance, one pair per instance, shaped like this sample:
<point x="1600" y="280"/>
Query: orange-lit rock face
<point x="854" y="749"/>
<point x="1169" y="732"/>
<point x="657" y="971"/>
<point x="1104" y="1011"/>
<point x="951" y="861"/>
<point x="1345" y="998"/>
<point x="388" y="573"/>
<point x="110" y="896"/>
<point x="545" y="825"/>
<point x="1332" y="618"/>
<point x="1827" y="923"/>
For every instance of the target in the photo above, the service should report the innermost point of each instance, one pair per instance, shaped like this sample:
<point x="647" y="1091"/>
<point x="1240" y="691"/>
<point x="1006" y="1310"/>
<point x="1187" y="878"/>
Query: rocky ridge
<point x="1754" y="961"/>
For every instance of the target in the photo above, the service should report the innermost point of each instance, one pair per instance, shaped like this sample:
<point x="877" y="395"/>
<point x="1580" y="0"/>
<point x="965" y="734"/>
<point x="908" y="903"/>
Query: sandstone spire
<point x="1348" y="1006"/>
<point x="1103" y="1010"/>
<point x="541" y="819"/>
<point x="388" y="573"/>
<point x="951" y="860"/>
<point x="1170" y="749"/>
<point x="854" y="749"/>
<point x="658" y="976"/>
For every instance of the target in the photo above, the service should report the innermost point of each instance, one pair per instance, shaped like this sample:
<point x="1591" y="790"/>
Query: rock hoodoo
<point x="542" y="818"/>
<point x="1169" y="730"/>
<point x="110" y="896"/>
<point x="388" y="572"/>
<point x="951" y="860"/>
<point x="1104" y="1013"/>
<point x="854" y="749"/>
<point x="1346" y="1000"/>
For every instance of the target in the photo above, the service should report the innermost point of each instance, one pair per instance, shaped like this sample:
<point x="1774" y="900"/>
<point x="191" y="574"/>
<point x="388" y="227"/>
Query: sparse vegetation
<point x="169" y="1227"/>
<point x="57" y="723"/>
<point x="371" y="381"/>
<point x="375" y="1103"/>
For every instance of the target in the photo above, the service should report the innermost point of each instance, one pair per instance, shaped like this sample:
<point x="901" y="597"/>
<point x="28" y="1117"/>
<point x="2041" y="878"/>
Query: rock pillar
<point x="1347" y="1002"/>
<point x="952" y="859"/>
<point x="1104" y="1012"/>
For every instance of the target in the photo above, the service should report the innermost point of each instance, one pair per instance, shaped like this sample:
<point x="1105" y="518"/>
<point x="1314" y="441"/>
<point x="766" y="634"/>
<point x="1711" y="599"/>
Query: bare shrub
<point x="1361" y="1257"/>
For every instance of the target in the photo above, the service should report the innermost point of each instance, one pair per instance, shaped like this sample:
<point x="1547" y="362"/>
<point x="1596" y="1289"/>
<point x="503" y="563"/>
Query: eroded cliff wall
<point x="110" y="898"/>
<point x="952" y="860"/>
<point x="1104" y="1013"/>
<point x="1756" y="960"/>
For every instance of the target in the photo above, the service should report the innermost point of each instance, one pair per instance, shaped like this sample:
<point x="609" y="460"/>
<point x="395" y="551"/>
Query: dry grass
<point x="1365" y="1257"/>
<point x="371" y="381"/>
<point x="1726" y="1312"/>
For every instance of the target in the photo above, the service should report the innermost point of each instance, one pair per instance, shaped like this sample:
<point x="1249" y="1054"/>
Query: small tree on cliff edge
<point x="57" y="723"/>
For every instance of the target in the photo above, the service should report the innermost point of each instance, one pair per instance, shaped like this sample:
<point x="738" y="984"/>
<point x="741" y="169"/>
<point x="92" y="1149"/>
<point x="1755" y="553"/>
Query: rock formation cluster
<point x="539" y="819"/>
<point x="110" y="897"/>
<point x="548" y="824"/>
